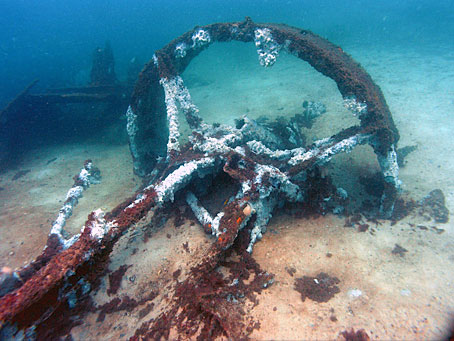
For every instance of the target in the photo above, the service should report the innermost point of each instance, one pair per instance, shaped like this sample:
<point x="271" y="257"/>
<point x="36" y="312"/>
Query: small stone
<point x="399" y="250"/>
<point x="247" y="210"/>
<point x="6" y="270"/>
<point x="354" y="293"/>
<point x="405" y="292"/>
<point x="8" y="282"/>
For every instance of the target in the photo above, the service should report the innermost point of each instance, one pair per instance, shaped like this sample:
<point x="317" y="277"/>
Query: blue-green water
<point x="52" y="40"/>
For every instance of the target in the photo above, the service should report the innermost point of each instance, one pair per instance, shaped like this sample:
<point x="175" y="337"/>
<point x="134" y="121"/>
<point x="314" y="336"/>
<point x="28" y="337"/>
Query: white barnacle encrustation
<point x="200" y="38"/>
<point x="202" y="215"/>
<point x="389" y="167"/>
<point x="176" y="94"/>
<point x="171" y="94"/>
<point x="234" y="31"/>
<point x="343" y="146"/>
<point x="155" y="60"/>
<point x="180" y="50"/>
<point x="180" y="177"/>
<point x="356" y="107"/>
<point x="267" y="48"/>
<point x="85" y="178"/>
<point x="132" y="129"/>
<point x="98" y="225"/>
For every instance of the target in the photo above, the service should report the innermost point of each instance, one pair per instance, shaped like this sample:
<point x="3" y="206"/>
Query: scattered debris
<point x="320" y="288"/>
<point x="124" y="304"/>
<point x="402" y="208"/>
<point x="115" y="279"/>
<point x="363" y="227"/>
<point x="351" y="335"/>
<point x="353" y="220"/>
<point x="50" y="161"/>
<point x="356" y="219"/>
<point x="403" y="152"/>
<point x="431" y="207"/>
<point x="209" y="304"/>
<point x="291" y="271"/>
<point x="434" y="205"/>
<point x="437" y="230"/>
<point x="20" y="174"/>
<point x="399" y="250"/>
<point x="311" y="111"/>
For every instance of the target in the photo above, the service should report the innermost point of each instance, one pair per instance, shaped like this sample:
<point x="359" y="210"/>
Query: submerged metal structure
<point x="152" y="116"/>
<point x="266" y="173"/>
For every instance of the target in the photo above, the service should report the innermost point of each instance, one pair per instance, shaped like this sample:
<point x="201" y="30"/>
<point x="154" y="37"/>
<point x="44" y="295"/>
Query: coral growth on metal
<point x="267" y="173"/>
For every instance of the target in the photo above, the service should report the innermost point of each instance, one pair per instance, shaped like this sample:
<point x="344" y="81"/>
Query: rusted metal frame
<point x="58" y="239"/>
<point x="325" y="57"/>
<point x="59" y="270"/>
<point x="97" y="236"/>
<point x="149" y="94"/>
<point x="352" y="80"/>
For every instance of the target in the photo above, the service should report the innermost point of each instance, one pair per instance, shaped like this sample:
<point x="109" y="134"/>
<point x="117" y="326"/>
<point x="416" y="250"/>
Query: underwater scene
<point x="226" y="170"/>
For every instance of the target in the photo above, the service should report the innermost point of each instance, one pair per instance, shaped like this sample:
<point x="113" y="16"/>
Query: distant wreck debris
<point x="103" y="68"/>
<point x="268" y="170"/>
<point x="29" y="113"/>
<point x="311" y="111"/>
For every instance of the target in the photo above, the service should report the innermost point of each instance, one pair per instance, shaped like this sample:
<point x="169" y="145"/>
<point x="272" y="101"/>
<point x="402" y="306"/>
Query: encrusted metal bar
<point x="99" y="233"/>
<point x="58" y="239"/>
<point x="390" y="169"/>
<point x="87" y="176"/>
<point x="171" y="91"/>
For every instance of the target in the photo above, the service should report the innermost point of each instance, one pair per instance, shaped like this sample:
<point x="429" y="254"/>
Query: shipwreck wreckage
<point x="266" y="170"/>
<point x="33" y="116"/>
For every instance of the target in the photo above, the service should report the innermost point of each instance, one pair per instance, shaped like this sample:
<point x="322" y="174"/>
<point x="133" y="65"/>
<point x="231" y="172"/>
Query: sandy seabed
<point x="389" y="295"/>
